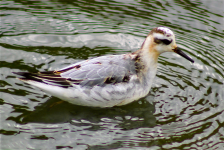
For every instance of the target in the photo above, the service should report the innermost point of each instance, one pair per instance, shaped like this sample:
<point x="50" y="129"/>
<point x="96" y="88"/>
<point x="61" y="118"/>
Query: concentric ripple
<point x="184" y="109"/>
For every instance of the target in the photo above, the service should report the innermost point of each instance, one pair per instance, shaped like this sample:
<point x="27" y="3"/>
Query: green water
<point x="184" y="109"/>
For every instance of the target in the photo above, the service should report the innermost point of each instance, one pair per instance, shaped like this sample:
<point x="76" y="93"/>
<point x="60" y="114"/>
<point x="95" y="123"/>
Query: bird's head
<point x="162" y="39"/>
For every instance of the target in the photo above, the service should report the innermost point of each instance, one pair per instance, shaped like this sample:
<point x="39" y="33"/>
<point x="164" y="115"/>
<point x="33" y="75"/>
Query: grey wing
<point x="100" y="71"/>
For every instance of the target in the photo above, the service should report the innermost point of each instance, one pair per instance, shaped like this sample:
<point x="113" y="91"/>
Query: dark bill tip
<point x="181" y="53"/>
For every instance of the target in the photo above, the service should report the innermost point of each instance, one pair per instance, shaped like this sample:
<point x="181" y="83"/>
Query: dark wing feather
<point x="98" y="71"/>
<point x="46" y="77"/>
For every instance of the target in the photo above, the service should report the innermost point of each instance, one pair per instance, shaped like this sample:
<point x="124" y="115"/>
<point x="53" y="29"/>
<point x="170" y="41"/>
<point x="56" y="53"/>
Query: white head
<point x="162" y="40"/>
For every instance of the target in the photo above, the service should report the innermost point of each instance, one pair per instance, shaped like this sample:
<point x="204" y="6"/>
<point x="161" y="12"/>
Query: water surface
<point x="184" y="109"/>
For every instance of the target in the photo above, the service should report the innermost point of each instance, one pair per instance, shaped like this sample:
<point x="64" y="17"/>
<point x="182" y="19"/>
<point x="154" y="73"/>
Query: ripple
<point x="126" y="42"/>
<point x="184" y="109"/>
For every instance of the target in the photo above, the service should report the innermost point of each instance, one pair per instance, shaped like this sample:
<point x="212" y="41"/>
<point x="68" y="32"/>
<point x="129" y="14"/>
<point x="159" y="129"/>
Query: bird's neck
<point x="147" y="57"/>
<point x="146" y="64"/>
<point x="149" y="50"/>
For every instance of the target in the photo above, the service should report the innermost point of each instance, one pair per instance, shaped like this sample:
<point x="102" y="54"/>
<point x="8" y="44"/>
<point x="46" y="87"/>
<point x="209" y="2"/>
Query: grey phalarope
<point x="108" y="81"/>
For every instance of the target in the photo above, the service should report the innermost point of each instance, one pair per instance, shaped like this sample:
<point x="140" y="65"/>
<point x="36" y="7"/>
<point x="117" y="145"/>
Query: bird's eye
<point x="164" y="41"/>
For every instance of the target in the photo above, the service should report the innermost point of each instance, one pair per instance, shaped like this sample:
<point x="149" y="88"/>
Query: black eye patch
<point x="164" y="41"/>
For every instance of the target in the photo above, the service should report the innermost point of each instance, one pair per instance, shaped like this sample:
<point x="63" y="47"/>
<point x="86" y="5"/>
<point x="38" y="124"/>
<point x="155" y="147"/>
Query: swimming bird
<point x="108" y="81"/>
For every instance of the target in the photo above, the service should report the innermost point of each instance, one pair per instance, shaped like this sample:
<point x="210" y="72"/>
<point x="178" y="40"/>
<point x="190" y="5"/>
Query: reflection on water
<point x="184" y="109"/>
<point x="54" y="111"/>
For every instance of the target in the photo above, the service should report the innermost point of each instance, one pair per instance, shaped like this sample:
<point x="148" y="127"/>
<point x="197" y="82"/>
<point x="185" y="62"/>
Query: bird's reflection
<point x="135" y="115"/>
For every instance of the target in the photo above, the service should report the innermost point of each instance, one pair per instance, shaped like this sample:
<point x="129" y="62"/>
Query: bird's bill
<point x="181" y="53"/>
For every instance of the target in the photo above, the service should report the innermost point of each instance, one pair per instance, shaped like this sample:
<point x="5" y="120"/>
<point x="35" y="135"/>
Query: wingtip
<point x="25" y="76"/>
<point x="18" y="73"/>
<point x="21" y="73"/>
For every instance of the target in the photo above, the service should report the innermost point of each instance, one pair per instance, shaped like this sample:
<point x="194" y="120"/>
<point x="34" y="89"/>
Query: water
<point x="184" y="110"/>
